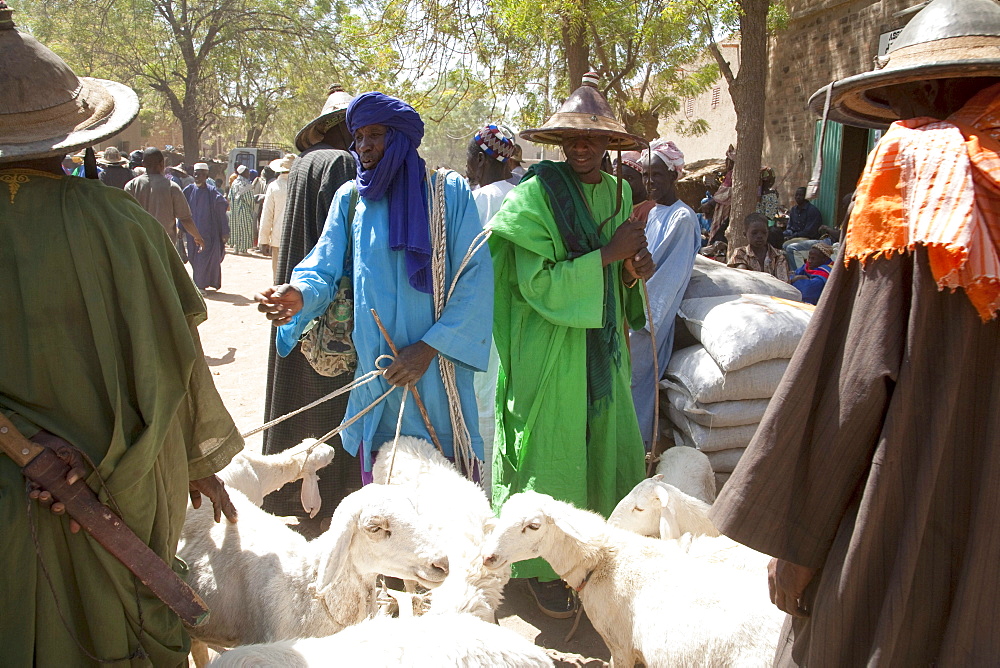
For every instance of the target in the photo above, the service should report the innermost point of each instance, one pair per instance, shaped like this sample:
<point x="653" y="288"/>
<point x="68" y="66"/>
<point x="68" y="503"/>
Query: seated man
<point x="813" y="275"/>
<point x="759" y="255"/>
<point x="804" y="222"/>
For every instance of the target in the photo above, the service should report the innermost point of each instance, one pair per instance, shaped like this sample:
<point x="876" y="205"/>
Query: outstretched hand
<point x="786" y="583"/>
<point x="72" y="457"/>
<point x="279" y="303"/>
<point x="215" y="490"/>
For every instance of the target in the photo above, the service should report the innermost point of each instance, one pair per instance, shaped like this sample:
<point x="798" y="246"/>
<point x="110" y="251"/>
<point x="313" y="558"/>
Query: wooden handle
<point x="16" y="446"/>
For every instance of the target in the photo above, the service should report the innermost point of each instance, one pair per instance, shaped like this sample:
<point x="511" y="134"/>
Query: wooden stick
<point x="413" y="388"/>
<point x="653" y="450"/>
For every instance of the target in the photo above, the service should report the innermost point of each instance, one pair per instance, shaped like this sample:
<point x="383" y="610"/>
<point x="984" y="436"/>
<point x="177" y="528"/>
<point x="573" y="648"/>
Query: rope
<point x="395" y="441"/>
<point x="465" y="457"/>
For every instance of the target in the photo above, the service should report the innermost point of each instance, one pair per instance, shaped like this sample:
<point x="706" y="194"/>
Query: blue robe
<point x="463" y="333"/>
<point x="208" y="209"/>
<point x="674" y="238"/>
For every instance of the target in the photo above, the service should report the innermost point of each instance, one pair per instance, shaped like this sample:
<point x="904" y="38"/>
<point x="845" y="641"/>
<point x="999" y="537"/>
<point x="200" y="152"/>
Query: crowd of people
<point x="526" y="314"/>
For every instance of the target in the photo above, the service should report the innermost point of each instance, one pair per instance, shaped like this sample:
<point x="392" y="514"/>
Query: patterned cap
<point x="495" y="142"/>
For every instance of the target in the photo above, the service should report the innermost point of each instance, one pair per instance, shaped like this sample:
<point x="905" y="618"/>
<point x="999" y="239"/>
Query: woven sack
<point x="694" y="372"/>
<point x="720" y="413"/>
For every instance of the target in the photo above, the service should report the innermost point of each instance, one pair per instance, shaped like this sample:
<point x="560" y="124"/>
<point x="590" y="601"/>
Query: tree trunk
<point x="577" y="50"/>
<point x="748" y="98"/>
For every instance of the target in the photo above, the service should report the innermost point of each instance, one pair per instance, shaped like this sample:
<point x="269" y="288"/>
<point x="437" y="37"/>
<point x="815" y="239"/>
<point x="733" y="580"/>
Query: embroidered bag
<point x="326" y="341"/>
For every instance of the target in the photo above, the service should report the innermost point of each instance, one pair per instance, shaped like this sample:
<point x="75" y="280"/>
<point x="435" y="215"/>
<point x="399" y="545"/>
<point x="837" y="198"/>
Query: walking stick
<point x="654" y="453"/>
<point x="413" y="388"/>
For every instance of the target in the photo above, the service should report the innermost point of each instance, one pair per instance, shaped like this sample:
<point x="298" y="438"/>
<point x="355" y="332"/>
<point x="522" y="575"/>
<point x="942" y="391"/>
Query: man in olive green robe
<point x="101" y="350"/>
<point x="566" y="424"/>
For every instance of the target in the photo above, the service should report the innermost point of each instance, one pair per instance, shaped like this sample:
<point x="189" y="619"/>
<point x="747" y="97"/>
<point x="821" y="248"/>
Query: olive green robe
<point x="543" y="306"/>
<point x="100" y="347"/>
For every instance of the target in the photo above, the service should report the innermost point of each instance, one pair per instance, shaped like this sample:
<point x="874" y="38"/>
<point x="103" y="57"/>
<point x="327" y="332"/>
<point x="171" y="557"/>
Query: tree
<point x="747" y="89"/>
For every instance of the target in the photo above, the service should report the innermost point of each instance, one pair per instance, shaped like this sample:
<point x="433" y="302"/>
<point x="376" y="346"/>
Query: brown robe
<point x="879" y="461"/>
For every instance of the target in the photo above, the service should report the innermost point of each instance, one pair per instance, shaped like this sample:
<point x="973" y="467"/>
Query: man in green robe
<point x="566" y="424"/>
<point x="101" y="362"/>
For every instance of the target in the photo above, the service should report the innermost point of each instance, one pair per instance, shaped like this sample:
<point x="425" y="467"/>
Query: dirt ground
<point x="236" y="338"/>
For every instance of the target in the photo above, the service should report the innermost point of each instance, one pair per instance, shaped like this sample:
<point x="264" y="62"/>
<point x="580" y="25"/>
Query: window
<point x="716" y="94"/>
<point x="689" y="107"/>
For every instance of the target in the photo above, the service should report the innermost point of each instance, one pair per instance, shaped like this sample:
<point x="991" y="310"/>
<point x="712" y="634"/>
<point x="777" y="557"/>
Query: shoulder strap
<point x="351" y="208"/>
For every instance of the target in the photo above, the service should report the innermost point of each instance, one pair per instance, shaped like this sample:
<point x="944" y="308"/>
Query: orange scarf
<point x="937" y="184"/>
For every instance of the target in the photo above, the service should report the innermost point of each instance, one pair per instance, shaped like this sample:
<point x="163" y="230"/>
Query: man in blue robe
<point x="208" y="208"/>
<point x="388" y="244"/>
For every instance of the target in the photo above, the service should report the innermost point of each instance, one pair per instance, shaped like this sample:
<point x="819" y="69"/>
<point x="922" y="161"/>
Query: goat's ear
<point x="566" y="525"/>
<point x="669" y="528"/>
<point x="310" y="496"/>
<point x="658" y="477"/>
<point x="489" y="524"/>
<point x="344" y="524"/>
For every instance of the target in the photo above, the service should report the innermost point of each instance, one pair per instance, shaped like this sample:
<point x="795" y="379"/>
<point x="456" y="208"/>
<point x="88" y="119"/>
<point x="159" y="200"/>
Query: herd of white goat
<point x="657" y="581"/>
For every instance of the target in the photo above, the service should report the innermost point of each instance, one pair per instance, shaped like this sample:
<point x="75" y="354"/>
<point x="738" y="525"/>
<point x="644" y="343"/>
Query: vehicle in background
<point x="254" y="157"/>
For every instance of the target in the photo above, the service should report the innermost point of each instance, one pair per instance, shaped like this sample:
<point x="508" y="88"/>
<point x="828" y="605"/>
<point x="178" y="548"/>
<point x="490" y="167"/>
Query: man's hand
<point x="627" y="241"/>
<point x="77" y="471"/>
<point x="199" y="243"/>
<point x="796" y="278"/>
<point x="786" y="582"/>
<point x="279" y="303"/>
<point x="213" y="488"/>
<point x="265" y="249"/>
<point x="410" y="364"/>
<point x="639" y="266"/>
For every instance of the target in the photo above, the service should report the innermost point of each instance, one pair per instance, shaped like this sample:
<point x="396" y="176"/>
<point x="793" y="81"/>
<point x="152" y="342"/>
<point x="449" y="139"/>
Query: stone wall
<point x="825" y="40"/>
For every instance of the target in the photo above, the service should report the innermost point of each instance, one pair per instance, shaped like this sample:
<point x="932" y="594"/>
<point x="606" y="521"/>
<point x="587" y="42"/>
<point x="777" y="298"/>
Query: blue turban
<point x="400" y="175"/>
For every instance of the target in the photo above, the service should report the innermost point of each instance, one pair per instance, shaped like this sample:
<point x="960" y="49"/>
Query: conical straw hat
<point x="947" y="39"/>
<point x="45" y="109"/>
<point x="334" y="112"/>
<point x="585" y="112"/>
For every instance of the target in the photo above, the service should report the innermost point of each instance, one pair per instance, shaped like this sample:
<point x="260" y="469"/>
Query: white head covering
<point x="669" y="154"/>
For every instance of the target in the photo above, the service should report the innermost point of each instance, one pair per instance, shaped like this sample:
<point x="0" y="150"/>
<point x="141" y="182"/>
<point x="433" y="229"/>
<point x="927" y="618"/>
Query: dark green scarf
<point x="581" y="235"/>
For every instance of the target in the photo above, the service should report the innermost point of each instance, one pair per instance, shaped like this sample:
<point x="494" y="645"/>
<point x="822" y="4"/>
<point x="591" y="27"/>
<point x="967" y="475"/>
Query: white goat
<point x="461" y="512"/>
<point x="257" y="475"/>
<point x="654" y="508"/>
<point x="458" y="640"/>
<point x="263" y="581"/>
<point x="648" y="599"/>
<point x="689" y="470"/>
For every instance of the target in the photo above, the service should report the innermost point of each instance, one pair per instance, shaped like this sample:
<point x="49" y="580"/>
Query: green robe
<point x="544" y="304"/>
<point x="100" y="347"/>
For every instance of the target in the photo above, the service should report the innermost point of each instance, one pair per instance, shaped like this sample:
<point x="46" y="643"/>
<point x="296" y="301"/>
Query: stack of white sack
<point x="717" y="391"/>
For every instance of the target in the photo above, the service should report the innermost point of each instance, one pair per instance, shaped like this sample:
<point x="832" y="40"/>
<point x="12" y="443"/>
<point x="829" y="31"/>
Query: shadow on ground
<point x="235" y="300"/>
<point x="225" y="359"/>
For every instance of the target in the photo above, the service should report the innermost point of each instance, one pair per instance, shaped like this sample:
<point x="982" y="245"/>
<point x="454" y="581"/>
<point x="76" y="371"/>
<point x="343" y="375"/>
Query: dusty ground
<point x="236" y="339"/>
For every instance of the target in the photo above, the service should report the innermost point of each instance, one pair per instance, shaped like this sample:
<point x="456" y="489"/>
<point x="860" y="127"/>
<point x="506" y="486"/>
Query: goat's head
<point x="522" y="530"/>
<point x="647" y="510"/>
<point x="379" y="530"/>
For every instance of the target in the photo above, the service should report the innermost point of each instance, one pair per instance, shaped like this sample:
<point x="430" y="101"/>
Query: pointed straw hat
<point x="585" y="112"/>
<point x="947" y="39"/>
<point x="334" y="112"/>
<point x="45" y="109"/>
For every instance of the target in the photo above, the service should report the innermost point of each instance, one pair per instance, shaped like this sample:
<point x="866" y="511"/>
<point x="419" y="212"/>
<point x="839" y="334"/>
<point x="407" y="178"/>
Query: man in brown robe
<point x="874" y="477"/>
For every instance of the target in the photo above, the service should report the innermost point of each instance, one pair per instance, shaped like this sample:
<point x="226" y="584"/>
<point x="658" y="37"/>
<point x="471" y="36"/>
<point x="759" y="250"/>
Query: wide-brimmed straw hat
<point x="282" y="165"/>
<point x="585" y="112"/>
<point x="947" y="39"/>
<point x="45" y="109"/>
<point x="334" y="112"/>
<point x="111" y="156"/>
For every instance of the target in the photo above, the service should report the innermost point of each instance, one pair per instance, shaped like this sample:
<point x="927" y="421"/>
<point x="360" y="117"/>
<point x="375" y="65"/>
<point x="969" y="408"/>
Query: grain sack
<point x="721" y="413"/>
<point x="714" y="279"/>
<point x="708" y="439"/>
<point x="741" y="330"/>
<point x="694" y="372"/>
<point x="724" y="461"/>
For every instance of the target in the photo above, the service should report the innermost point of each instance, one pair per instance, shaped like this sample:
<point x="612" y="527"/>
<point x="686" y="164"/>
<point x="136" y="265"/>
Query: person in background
<point x="767" y="198"/>
<point x="488" y="163"/>
<point x="135" y="159"/>
<point x="208" y="209"/>
<point x="324" y="164"/>
<point x="103" y="366"/>
<point x="566" y="425"/>
<point x="723" y="197"/>
<point x="162" y="198"/>
<point x="674" y="239"/>
<point x="874" y="476"/>
<point x="241" y="210"/>
<point x="517" y="171"/>
<point x="759" y="255"/>
<point x="706" y="211"/>
<point x="803" y="229"/>
<point x="114" y="172"/>
<point x="258" y="186"/>
<point x="272" y="216"/>
<point x="812" y="276"/>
